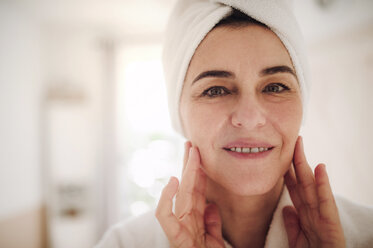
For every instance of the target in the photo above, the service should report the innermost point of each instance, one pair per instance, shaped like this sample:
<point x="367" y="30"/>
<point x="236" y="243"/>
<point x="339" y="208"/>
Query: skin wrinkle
<point x="247" y="96"/>
<point x="227" y="74"/>
<point x="251" y="109"/>
<point x="246" y="191"/>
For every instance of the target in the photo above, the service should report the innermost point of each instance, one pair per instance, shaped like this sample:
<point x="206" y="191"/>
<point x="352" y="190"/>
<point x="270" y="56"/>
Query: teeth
<point x="246" y="149"/>
<point x="249" y="150"/>
<point x="255" y="150"/>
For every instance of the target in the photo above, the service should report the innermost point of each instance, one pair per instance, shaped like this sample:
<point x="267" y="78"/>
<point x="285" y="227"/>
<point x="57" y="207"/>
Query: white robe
<point x="145" y="231"/>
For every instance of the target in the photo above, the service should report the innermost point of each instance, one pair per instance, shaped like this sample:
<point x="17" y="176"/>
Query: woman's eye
<point x="216" y="91"/>
<point x="275" y="88"/>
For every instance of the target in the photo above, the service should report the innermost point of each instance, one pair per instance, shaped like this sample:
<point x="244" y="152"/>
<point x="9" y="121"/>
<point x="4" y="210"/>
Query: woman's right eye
<point x="216" y="91"/>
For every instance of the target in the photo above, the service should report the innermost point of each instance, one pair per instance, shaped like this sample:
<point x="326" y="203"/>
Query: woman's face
<point x="241" y="106"/>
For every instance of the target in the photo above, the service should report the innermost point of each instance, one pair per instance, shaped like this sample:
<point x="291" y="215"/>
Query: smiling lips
<point x="249" y="150"/>
<point x="248" y="147"/>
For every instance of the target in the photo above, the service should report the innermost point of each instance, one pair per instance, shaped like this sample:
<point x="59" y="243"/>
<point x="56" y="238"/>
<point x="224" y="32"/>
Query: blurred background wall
<point x="85" y="139"/>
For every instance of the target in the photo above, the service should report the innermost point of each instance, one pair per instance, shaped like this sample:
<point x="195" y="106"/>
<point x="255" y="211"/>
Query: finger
<point x="327" y="206"/>
<point x="213" y="223"/>
<point x="292" y="224"/>
<point x="165" y="203"/>
<point x="291" y="184"/>
<point x="305" y="178"/>
<point x="192" y="188"/>
<point x="294" y="192"/>
<point x="195" y="212"/>
<point x="187" y="146"/>
<point x="199" y="196"/>
<point x="166" y="218"/>
<point x="180" y="200"/>
<point x="199" y="199"/>
<point x="184" y="197"/>
<point x="190" y="199"/>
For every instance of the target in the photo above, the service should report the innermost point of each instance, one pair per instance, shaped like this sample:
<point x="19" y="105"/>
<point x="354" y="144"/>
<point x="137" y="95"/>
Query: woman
<point x="237" y="92"/>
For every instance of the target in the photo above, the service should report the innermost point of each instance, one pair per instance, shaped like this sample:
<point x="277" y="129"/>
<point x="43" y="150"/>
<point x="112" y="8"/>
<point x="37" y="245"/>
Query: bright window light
<point x="150" y="151"/>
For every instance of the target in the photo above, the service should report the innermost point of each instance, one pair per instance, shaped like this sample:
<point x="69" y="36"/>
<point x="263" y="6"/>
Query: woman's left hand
<point x="314" y="219"/>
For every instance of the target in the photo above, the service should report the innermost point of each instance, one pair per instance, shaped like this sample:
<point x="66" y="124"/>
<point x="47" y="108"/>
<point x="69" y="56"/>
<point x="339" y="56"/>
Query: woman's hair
<point x="238" y="20"/>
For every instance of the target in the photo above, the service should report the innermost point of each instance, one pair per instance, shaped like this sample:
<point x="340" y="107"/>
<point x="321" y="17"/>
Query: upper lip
<point x="248" y="143"/>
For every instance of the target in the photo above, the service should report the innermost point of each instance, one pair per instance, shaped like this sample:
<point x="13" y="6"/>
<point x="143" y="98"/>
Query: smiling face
<point x="241" y="106"/>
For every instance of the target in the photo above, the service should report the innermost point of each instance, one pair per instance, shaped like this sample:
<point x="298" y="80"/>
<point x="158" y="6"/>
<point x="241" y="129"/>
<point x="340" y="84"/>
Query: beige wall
<point x="21" y="223"/>
<point x="24" y="230"/>
<point x="338" y="130"/>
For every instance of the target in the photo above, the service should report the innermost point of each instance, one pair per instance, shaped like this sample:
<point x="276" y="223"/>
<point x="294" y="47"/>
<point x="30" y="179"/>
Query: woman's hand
<point x="314" y="219"/>
<point x="194" y="223"/>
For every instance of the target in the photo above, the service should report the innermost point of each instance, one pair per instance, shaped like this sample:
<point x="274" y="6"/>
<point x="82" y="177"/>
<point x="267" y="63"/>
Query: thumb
<point x="291" y="222"/>
<point x="213" y="223"/>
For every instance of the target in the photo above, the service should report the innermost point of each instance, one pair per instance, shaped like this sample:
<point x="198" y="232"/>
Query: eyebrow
<point x="277" y="69"/>
<point x="227" y="74"/>
<point x="214" y="73"/>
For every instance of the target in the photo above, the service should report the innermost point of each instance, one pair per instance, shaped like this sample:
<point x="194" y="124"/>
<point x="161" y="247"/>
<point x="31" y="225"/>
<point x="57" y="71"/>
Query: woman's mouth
<point x="248" y="149"/>
<point x="245" y="150"/>
<point x="249" y="152"/>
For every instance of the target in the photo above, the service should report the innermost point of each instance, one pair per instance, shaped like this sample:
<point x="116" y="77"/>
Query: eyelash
<point x="283" y="86"/>
<point x="209" y="92"/>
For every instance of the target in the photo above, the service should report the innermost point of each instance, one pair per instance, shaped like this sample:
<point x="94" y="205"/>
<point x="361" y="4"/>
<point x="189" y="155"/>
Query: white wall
<point x="45" y="143"/>
<point x="338" y="131"/>
<point x="20" y="90"/>
<point x="74" y="63"/>
<point x="318" y="23"/>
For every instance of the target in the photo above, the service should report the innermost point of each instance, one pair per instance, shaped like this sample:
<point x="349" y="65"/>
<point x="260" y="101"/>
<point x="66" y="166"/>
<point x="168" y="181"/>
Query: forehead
<point x="246" y="49"/>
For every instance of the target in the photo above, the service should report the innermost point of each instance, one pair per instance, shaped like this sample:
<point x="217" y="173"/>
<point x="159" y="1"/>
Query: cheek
<point x="198" y="120"/>
<point x="204" y="125"/>
<point x="286" y="119"/>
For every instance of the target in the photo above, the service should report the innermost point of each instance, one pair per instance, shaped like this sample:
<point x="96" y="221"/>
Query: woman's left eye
<point x="275" y="88"/>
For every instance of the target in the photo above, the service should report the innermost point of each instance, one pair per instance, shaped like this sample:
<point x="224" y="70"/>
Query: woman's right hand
<point x="194" y="223"/>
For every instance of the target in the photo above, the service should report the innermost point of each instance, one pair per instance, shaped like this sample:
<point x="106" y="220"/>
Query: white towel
<point x="191" y="20"/>
<point x="145" y="231"/>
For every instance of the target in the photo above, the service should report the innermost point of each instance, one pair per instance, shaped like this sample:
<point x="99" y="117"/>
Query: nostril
<point x="249" y="118"/>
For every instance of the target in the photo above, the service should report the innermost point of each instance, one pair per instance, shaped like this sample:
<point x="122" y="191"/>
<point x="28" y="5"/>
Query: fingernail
<point x="171" y="181"/>
<point x="186" y="144"/>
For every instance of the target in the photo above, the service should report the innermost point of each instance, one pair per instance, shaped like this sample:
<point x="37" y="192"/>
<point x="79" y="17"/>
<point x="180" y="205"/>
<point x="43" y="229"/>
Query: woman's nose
<point x="248" y="113"/>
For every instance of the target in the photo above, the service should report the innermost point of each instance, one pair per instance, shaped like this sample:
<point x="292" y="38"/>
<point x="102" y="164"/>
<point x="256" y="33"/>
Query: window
<point x="149" y="149"/>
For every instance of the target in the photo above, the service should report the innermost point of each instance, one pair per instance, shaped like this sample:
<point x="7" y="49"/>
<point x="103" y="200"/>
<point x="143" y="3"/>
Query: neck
<point x="245" y="219"/>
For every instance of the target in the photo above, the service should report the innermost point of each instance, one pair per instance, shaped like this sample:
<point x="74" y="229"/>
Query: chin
<point x="255" y="187"/>
<point x="247" y="184"/>
<point x="246" y="178"/>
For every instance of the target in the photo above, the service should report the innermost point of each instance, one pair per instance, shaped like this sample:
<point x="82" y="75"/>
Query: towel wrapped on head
<point x="192" y="20"/>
